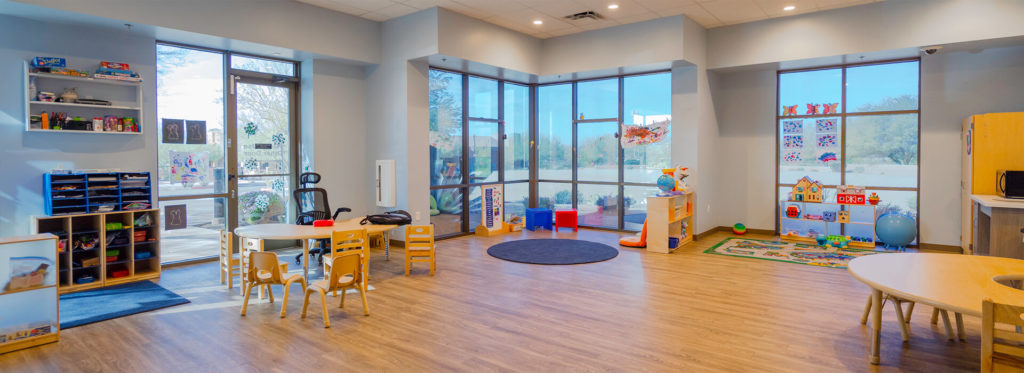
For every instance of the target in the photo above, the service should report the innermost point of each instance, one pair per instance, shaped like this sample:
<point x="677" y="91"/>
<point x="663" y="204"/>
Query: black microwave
<point x="1010" y="184"/>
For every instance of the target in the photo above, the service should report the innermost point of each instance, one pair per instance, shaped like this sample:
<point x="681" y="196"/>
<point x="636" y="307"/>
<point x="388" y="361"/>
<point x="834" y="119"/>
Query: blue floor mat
<point x="87" y="307"/>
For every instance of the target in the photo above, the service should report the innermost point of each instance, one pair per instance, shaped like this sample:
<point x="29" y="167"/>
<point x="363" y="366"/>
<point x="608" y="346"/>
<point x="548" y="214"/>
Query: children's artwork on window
<point x="832" y="108"/>
<point x="789" y="110"/>
<point x="793" y="141"/>
<point x="827" y="156"/>
<point x="826" y="125"/>
<point x="189" y="168"/>
<point x="813" y="109"/>
<point x="827" y="141"/>
<point x="792" y="126"/>
<point x="793" y="157"/>
<point x="638" y="135"/>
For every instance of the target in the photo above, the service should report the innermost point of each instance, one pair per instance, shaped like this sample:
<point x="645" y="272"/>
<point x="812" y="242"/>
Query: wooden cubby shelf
<point x="669" y="217"/>
<point x="108" y="256"/>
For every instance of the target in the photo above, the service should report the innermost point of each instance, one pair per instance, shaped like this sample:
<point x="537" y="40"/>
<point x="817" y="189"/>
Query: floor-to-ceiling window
<point x="851" y="125"/>
<point x="225" y="149"/>
<point x="601" y="145"/>
<point x="479" y="134"/>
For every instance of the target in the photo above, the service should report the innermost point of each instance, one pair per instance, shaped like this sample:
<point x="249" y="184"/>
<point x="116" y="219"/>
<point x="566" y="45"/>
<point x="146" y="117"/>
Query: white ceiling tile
<point x="369" y="5"/>
<point x="567" y="31"/>
<point x="696" y="13"/>
<point x="395" y="10"/>
<point x="657" y="5"/>
<point x="637" y="18"/>
<point x="734" y="11"/>
<point x="375" y="17"/>
<point x="493" y="6"/>
<point x="775" y="8"/>
<point x="336" y="6"/>
<point x="559" y="9"/>
<point x="425" y="4"/>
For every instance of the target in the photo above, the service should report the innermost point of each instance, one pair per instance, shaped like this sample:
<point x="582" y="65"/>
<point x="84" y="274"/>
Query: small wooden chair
<point x="346" y="271"/>
<point x="265" y="270"/>
<point x="1002" y="343"/>
<point x="230" y="264"/>
<point x="419" y="246"/>
<point x="354" y="239"/>
<point x="249" y="246"/>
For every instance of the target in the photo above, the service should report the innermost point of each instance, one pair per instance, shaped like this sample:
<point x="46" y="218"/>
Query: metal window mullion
<point x="501" y="132"/>
<point x="622" y="154"/>
<point x="533" y="162"/>
<point x="575" y="142"/>
<point x="465" y="153"/>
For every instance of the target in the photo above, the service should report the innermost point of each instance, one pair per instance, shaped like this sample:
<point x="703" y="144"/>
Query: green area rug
<point x="790" y="252"/>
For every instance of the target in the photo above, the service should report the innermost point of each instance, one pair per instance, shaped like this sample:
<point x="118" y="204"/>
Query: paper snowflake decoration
<point x="250" y="128"/>
<point x="279" y="139"/>
<point x="277" y="185"/>
<point x="250" y="163"/>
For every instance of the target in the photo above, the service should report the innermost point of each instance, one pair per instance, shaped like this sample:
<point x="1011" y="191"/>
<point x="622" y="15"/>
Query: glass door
<point x="226" y="148"/>
<point x="263" y="167"/>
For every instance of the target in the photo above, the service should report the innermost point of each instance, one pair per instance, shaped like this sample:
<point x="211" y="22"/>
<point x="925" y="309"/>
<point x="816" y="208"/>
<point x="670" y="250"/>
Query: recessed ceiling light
<point x="613" y="6"/>
<point x="538" y="22"/>
<point x="788" y="8"/>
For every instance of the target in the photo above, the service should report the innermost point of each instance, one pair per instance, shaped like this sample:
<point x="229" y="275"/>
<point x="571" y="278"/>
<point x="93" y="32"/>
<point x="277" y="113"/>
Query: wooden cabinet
<point x="669" y="217"/>
<point x="989" y="143"/>
<point x="104" y="249"/>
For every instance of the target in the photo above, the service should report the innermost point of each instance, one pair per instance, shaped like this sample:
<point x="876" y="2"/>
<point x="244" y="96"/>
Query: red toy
<point x="850" y="195"/>
<point x="566" y="219"/>
<point x="792" y="211"/>
<point x="323" y="223"/>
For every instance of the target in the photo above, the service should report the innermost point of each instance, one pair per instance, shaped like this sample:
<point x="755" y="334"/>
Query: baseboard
<point x="767" y="232"/>
<point x="940" y="248"/>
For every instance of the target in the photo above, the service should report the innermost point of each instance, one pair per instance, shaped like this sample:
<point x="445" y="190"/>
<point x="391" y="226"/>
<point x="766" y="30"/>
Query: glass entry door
<point x="263" y="163"/>
<point x="226" y="149"/>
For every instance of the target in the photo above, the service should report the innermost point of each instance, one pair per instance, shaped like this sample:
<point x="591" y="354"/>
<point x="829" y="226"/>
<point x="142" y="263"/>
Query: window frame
<point x="574" y="182"/>
<point x="467" y="184"/>
<point x="843" y="120"/>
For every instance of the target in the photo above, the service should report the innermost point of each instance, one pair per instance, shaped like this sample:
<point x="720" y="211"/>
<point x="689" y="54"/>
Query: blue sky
<point x="865" y="84"/>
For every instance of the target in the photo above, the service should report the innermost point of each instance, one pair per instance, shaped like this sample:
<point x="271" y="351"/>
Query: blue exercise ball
<point x="895" y="230"/>
<point x="666" y="183"/>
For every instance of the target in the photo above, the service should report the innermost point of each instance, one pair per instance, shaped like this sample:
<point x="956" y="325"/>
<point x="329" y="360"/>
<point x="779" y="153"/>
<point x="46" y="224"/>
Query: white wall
<point x="888" y="25"/>
<point x="27" y="156"/>
<point x="282" y="23"/>
<point x="474" y="40"/>
<point x="397" y="119"/>
<point x="745" y="159"/>
<point x="953" y="87"/>
<point x="334" y="131"/>
<point x="659" y="40"/>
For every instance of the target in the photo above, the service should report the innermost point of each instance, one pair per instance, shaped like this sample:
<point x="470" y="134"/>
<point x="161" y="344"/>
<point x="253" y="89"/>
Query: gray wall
<point x="26" y="156"/>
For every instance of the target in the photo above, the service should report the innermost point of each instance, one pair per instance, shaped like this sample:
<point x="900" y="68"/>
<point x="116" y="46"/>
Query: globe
<point x="666" y="183"/>
<point x="895" y="230"/>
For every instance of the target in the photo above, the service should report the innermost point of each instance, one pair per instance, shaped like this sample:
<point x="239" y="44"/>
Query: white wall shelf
<point x="125" y="97"/>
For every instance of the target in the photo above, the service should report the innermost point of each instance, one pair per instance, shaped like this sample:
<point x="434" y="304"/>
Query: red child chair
<point x="566" y="219"/>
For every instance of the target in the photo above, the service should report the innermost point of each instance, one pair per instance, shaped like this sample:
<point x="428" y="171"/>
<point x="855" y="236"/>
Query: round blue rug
<point x="552" y="251"/>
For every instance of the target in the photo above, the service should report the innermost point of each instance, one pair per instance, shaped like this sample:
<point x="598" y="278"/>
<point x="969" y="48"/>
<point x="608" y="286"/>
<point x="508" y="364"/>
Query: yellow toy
<point x="806" y="190"/>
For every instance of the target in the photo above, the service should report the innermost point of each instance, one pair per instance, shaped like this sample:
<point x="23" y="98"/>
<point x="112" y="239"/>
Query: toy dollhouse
<point x="806" y="190"/>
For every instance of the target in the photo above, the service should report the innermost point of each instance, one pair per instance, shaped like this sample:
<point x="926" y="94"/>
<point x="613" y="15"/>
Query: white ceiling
<point x="519" y="14"/>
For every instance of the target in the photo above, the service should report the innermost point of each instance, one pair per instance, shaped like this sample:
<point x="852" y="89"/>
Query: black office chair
<point x="313" y="205"/>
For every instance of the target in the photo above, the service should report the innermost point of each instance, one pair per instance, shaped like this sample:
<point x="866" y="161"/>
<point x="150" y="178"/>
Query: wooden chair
<point x="230" y="264"/>
<point x="353" y="239"/>
<point x="346" y="271"/>
<point x="1002" y="343"/>
<point x="249" y="246"/>
<point x="419" y="246"/>
<point x="265" y="270"/>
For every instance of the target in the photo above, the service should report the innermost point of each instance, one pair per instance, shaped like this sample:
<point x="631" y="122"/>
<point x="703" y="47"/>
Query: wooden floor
<point x="687" y="311"/>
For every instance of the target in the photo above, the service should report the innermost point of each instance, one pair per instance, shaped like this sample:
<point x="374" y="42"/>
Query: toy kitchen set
<point x="63" y="99"/>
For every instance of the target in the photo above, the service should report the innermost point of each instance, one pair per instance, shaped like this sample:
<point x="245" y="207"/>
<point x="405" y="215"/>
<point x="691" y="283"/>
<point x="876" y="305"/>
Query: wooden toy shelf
<point x="120" y="255"/>
<point x="665" y="219"/>
<point x="823" y="224"/>
<point x="81" y="193"/>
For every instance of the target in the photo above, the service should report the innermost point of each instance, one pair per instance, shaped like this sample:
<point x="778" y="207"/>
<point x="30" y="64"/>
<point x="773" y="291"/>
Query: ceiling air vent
<point x="585" y="15"/>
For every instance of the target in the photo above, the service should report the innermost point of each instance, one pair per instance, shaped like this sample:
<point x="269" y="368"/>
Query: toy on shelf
<point x="116" y="71"/>
<point x="813" y="217"/>
<point x="844" y="216"/>
<point x="739" y="229"/>
<point x="850" y="195"/>
<point x="793" y="212"/>
<point x="671" y="182"/>
<point x="806" y="190"/>
<point x="873" y="199"/>
<point x="829" y="216"/>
